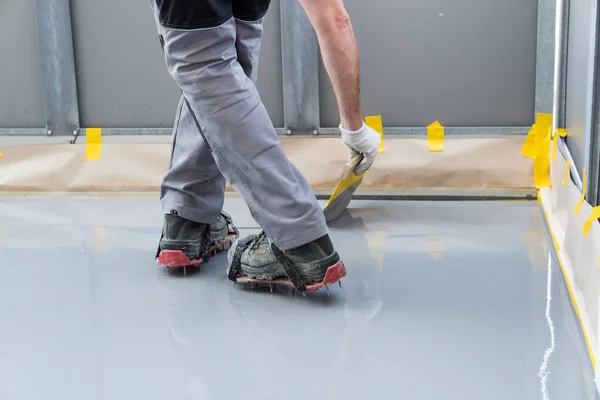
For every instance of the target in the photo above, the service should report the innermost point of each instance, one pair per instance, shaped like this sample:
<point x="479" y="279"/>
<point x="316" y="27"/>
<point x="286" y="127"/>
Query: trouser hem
<point x="191" y="214"/>
<point x="303" y="239"/>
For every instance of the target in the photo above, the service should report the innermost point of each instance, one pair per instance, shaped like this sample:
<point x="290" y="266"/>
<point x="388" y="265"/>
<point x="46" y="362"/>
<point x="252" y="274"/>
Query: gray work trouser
<point x="216" y="69"/>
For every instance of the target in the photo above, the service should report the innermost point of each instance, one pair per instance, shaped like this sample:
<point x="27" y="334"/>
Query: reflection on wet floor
<point x="445" y="300"/>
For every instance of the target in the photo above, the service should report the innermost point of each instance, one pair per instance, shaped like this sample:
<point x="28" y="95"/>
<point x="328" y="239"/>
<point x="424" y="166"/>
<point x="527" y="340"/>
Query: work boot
<point x="222" y="233"/>
<point x="309" y="267"/>
<point x="183" y="243"/>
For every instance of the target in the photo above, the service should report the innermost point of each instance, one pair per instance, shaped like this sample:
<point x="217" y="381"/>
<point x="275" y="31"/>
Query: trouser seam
<point x="175" y="134"/>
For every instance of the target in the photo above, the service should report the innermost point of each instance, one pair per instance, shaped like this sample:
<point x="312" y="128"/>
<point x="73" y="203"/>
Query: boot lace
<point x="258" y="240"/>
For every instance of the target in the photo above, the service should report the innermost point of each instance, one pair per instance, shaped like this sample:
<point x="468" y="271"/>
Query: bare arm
<point x="342" y="62"/>
<point x="340" y="56"/>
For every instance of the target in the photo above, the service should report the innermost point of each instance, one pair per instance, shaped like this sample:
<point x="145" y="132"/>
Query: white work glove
<point x="364" y="141"/>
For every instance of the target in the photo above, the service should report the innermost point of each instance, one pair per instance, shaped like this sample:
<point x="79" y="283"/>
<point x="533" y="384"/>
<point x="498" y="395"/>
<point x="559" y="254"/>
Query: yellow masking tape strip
<point x="590" y="221"/>
<point x="543" y="121"/>
<point x="375" y="122"/>
<point x="571" y="295"/>
<point x="577" y="209"/>
<point x="435" y="137"/>
<point x="556" y="245"/>
<point x="529" y="145"/>
<point x="562" y="132"/>
<point x="567" y="171"/>
<point x="343" y="185"/>
<point x="93" y="143"/>
<point x="541" y="166"/>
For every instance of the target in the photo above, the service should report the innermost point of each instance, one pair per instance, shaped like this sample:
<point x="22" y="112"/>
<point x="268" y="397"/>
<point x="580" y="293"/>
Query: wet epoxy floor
<point x="444" y="300"/>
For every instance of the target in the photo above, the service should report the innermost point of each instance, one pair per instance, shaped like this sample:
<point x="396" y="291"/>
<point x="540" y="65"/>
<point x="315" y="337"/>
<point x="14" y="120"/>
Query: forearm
<point x="340" y="56"/>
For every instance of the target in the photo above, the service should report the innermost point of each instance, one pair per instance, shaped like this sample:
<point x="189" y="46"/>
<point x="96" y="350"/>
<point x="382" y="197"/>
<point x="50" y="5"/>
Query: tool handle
<point x="351" y="166"/>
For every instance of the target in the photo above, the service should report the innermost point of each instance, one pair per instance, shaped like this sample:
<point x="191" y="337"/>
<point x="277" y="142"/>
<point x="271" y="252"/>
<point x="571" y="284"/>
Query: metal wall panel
<point x="20" y="78"/>
<point x="270" y="75"/>
<point x="121" y="73"/>
<point x="580" y="76"/>
<point x="464" y="62"/>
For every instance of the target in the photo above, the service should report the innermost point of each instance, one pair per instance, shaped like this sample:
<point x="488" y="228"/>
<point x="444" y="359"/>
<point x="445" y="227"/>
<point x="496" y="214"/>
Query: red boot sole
<point x="176" y="258"/>
<point x="333" y="275"/>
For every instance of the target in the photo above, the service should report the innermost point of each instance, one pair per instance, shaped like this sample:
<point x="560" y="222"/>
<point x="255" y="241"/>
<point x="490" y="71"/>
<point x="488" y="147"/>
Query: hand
<point x="365" y="141"/>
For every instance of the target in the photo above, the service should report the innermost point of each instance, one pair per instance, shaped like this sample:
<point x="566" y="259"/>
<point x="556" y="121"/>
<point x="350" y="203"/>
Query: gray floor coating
<point x="443" y="301"/>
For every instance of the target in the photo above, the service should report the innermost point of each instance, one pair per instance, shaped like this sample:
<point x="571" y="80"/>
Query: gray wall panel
<point x="121" y="73"/>
<point x="120" y="70"/>
<point x="464" y="62"/>
<point x="270" y="74"/>
<point x="20" y="78"/>
<point x="580" y="79"/>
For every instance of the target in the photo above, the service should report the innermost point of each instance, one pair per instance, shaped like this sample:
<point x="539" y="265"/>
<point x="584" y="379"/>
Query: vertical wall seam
<point x="57" y="66"/>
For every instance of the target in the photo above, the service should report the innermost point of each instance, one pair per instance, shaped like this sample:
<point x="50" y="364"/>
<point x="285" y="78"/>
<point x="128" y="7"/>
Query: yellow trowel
<point x="349" y="181"/>
<point x="340" y="199"/>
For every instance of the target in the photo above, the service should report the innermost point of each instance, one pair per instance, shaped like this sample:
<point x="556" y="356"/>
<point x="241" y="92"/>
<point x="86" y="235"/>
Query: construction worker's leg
<point x="309" y="263"/>
<point x="194" y="186"/>
<point x="238" y="130"/>
<point x="192" y="191"/>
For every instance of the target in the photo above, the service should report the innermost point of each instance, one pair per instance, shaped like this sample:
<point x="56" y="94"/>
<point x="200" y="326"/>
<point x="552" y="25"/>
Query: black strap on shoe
<point x="289" y="269"/>
<point x="236" y="263"/>
<point x="229" y="222"/>
<point x="205" y="251"/>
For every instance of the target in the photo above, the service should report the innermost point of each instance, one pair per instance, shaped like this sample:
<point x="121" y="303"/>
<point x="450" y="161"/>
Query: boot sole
<point x="176" y="258"/>
<point x="333" y="274"/>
